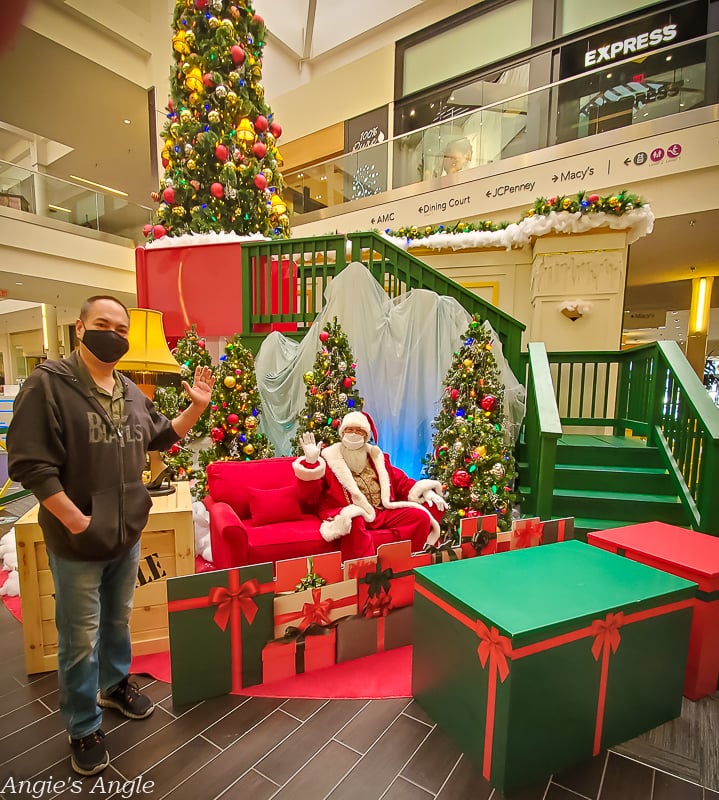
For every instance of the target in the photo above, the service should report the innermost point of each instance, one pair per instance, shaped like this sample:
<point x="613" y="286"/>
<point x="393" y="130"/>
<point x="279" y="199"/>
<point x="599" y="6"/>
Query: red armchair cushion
<point x="270" y="506"/>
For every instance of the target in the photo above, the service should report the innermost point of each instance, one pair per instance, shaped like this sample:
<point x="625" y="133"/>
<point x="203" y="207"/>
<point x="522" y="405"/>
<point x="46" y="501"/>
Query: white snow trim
<point x="638" y="222"/>
<point x="341" y="525"/>
<point x="420" y="489"/>
<point x="305" y="473"/>
<point x="191" y="239"/>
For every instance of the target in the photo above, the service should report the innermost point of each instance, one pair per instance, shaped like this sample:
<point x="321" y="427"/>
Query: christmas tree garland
<point x="560" y="214"/>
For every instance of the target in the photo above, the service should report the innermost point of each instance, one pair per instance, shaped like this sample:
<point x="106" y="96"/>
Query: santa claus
<point x="355" y="490"/>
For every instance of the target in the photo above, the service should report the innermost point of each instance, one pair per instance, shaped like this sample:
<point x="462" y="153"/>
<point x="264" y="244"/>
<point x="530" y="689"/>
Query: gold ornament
<point x="248" y="449"/>
<point x="250" y="423"/>
<point x="175" y="129"/>
<point x="191" y="165"/>
<point x="214" y="23"/>
<point x="185" y="115"/>
<point x="194" y="98"/>
<point x="230" y="381"/>
<point x="231" y="97"/>
<point x="228" y="25"/>
<point x="277" y="205"/>
<point x="179" y="43"/>
<point x="468" y="362"/>
<point x="195" y="210"/>
<point x="193" y="80"/>
<point x="190" y="38"/>
<point x="213" y="116"/>
<point x="178" y="211"/>
<point x="268" y="174"/>
<point x="245" y="131"/>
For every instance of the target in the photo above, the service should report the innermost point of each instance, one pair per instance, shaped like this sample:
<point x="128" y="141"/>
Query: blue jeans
<point x="93" y="602"/>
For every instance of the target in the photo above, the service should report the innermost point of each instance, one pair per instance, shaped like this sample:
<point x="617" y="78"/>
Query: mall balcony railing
<point x="31" y="192"/>
<point x="564" y="111"/>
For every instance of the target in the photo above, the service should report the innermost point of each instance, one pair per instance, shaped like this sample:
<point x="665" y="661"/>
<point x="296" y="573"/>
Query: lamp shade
<point x="148" y="347"/>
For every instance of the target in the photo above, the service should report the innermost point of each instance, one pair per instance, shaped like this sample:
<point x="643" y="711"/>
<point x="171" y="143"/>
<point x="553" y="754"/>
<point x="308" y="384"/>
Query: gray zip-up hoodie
<point x="61" y="439"/>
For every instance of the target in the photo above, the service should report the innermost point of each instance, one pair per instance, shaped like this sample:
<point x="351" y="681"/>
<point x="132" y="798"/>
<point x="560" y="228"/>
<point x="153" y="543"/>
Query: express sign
<point x="632" y="44"/>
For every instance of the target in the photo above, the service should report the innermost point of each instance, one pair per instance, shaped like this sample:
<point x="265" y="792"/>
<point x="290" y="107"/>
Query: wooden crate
<point x="167" y="549"/>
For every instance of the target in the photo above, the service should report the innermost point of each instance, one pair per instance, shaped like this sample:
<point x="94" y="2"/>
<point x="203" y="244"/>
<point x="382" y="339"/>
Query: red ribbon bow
<point x="378" y="606"/>
<point x="495" y="648"/>
<point x="317" y="611"/>
<point x="606" y="634"/>
<point x="526" y="535"/>
<point x="224" y="598"/>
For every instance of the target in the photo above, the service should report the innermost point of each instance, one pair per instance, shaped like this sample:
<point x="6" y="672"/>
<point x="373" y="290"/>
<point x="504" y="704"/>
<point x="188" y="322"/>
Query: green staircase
<point x="617" y="438"/>
<point x="607" y="481"/>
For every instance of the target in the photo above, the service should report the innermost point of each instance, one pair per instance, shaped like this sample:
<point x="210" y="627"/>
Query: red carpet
<point x="386" y="674"/>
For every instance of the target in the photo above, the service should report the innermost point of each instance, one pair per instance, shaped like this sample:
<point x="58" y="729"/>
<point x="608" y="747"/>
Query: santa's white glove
<point x="432" y="498"/>
<point x="310" y="448"/>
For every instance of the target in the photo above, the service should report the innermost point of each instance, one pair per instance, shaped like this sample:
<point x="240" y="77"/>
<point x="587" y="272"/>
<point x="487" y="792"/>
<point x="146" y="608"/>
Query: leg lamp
<point x="148" y="357"/>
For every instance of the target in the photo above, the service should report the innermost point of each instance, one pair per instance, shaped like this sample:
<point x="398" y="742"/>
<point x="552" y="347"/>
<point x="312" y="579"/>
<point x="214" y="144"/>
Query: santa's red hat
<point x="359" y="419"/>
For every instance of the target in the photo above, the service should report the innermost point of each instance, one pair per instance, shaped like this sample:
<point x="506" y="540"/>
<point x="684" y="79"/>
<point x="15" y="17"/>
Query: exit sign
<point x="3" y="293"/>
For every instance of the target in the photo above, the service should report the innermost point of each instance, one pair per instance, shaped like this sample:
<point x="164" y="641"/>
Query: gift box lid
<point x="559" y="587"/>
<point x="682" y="552"/>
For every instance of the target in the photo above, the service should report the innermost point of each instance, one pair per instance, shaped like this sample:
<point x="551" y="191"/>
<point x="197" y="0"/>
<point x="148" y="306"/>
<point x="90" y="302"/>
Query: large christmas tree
<point x="234" y="413"/>
<point x="220" y="155"/>
<point x="472" y="452"/>
<point x="331" y="391"/>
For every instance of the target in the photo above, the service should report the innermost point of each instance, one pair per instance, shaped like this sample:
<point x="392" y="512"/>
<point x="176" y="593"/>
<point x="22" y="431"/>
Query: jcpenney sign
<point x="632" y="44"/>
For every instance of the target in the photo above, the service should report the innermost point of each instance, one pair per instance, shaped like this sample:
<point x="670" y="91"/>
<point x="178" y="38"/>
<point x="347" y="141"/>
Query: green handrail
<point x="542" y="429"/>
<point x="284" y="282"/>
<point x="399" y="271"/>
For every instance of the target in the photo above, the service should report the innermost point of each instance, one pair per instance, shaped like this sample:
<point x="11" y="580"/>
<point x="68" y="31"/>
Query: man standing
<point x="78" y="440"/>
<point x="355" y="489"/>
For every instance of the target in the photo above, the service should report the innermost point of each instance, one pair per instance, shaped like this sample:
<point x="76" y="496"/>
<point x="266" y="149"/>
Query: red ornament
<point x="201" y="3"/>
<point x="155" y="196"/>
<point x="461" y="478"/>
<point x="593" y="198"/>
<point x="259" y="149"/>
<point x="207" y="80"/>
<point x="201" y="344"/>
<point x="335" y="423"/>
<point x="552" y="201"/>
<point x="276" y="129"/>
<point x="146" y="230"/>
<point x="174" y="450"/>
<point x="171" y="106"/>
<point x="258" y="20"/>
<point x="454" y="394"/>
<point x="221" y="152"/>
<point x="217" y="190"/>
<point x="158" y="231"/>
<point x="324" y="336"/>
<point x="261" y="124"/>
<point x="165" y="163"/>
<point x="347" y="383"/>
<point x="237" y="53"/>
<point x="217" y="435"/>
<point x="488" y="402"/>
<point x="195" y="185"/>
<point x="260" y="181"/>
<point x="232" y="419"/>
<point x="168" y="195"/>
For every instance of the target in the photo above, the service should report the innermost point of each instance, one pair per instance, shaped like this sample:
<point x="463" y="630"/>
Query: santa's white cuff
<point x="309" y="472"/>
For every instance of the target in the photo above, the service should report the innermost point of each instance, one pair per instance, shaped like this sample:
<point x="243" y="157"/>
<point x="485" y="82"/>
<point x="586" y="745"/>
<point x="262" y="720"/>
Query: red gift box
<point x="686" y="554"/>
<point x="557" y="530"/>
<point x="391" y="572"/>
<point x="364" y="635"/>
<point x="478" y="535"/>
<point x="298" y="652"/>
<point x="526" y="533"/>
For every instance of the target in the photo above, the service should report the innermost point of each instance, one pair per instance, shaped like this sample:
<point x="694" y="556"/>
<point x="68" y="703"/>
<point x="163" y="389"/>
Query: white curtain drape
<point x="403" y="349"/>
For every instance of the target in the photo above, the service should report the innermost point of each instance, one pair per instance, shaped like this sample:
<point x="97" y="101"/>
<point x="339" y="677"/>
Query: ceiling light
<point x="609" y="74"/>
<point x="126" y="121"/>
<point x="300" y="174"/>
<point x="99" y="186"/>
<point x="323" y="178"/>
<point x="18" y="283"/>
<point x="59" y="208"/>
<point x="668" y="58"/>
<point x="411" y="113"/>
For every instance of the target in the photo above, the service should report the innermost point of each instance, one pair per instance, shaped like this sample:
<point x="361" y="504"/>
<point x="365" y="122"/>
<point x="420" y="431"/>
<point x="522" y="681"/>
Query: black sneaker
<point x="128" y="700"/>
<point x="89" y="754"/>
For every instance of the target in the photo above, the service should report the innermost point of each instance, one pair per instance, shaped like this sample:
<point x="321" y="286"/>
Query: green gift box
<point x="536" y="659"/>
<point x="219" y="622"/>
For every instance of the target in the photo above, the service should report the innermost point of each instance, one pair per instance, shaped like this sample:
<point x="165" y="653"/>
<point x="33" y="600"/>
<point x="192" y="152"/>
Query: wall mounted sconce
<point x="575" y="309"/>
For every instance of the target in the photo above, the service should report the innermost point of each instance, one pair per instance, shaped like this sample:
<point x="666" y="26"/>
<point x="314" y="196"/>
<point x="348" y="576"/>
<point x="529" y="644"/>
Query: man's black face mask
<point x="107" y="346"/>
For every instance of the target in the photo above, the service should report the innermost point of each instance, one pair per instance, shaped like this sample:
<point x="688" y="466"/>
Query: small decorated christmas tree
<point x="190" y="353"/>
<point x="472" y="452"/>
<point x="220" y="155"/>
<point x="234" y="414"/>
<point x="331" y="391"/>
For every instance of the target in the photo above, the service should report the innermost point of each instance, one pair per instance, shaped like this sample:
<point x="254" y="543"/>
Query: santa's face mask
<point x="353" y="441"/>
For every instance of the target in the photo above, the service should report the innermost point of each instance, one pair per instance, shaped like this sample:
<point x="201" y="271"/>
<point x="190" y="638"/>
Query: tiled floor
<point x="259" y="748"/>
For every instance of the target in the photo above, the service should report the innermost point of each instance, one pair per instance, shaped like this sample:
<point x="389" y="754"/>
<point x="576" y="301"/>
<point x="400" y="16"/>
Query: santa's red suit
<point x="329" y="487"/>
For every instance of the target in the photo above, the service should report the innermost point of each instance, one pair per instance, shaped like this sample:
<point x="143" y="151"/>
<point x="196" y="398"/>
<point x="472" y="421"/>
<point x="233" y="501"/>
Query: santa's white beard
<point x="356" y="460"/>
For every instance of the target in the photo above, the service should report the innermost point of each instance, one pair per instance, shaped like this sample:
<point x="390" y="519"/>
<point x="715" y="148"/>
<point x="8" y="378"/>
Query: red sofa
<point x="255" y="514"/>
